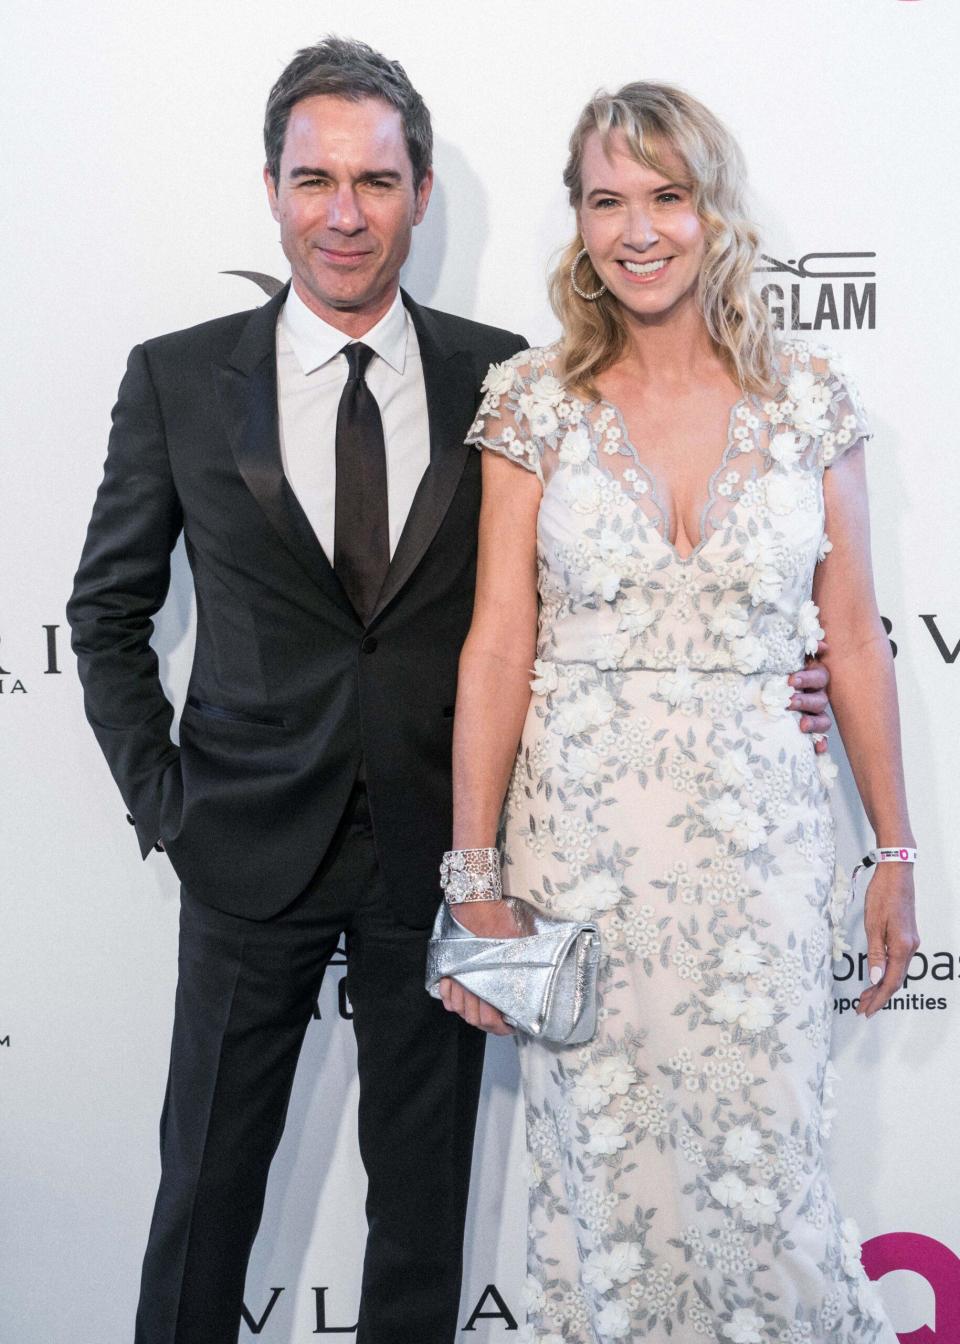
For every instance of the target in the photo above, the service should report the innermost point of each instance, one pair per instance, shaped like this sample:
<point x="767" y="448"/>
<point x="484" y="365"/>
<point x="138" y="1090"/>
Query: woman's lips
<point x="645" y="272"/>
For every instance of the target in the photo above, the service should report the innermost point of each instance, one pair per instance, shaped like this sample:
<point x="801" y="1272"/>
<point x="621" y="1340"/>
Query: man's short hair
<point x="347" y="69"/>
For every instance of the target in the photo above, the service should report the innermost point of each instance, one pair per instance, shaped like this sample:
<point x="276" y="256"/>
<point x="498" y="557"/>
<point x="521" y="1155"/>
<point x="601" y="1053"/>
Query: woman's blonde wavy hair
<point x="653" y="117"/>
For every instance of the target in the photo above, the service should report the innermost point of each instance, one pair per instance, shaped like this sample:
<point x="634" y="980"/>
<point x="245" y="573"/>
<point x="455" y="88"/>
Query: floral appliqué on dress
<point x="662" y="787"/>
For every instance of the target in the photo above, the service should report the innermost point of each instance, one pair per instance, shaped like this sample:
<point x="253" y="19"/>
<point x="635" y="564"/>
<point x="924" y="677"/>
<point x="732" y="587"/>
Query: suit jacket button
<point x="369" y="644"/>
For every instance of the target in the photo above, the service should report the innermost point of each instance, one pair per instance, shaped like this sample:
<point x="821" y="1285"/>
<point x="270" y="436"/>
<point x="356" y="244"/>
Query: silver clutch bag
<point x="544" y="982"/>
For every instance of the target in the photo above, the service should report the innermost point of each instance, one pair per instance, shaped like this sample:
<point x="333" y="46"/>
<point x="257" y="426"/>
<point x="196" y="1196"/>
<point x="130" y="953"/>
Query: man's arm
<point x="122" y="582"/>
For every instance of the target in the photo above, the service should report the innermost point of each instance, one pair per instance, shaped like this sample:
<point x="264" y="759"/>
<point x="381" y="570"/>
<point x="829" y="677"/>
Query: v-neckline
<point x="747" y="400"/>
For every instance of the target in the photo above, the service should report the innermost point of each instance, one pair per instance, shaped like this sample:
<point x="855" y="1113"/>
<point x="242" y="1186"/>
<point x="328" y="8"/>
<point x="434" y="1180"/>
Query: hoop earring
<point x="590" y="298"/>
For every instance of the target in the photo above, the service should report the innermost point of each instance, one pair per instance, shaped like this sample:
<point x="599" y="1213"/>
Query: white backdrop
<point x="132" y="183"/>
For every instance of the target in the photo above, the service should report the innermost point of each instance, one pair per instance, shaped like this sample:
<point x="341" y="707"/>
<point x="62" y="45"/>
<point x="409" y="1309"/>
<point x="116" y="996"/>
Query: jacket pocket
<point x="233" y="715"/>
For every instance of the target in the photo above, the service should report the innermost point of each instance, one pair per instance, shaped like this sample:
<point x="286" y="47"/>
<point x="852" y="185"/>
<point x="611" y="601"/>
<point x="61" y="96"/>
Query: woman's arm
<point x="861" y="682"/>
<point x="496" y="662"/>
<point x="493" y="692"/>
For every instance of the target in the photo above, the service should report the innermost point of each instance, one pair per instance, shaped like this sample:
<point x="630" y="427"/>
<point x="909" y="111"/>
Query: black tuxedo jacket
<point x="289" y="690"/>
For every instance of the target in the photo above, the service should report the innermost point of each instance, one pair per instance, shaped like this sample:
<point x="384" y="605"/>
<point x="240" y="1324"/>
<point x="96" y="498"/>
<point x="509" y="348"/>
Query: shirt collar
<point x="315" y="342"/>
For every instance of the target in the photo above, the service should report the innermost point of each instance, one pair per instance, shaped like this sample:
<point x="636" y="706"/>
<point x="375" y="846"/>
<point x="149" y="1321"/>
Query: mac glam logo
<point x="820" y="291"/>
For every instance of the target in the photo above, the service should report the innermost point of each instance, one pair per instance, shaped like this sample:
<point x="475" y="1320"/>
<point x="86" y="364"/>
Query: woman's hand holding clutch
<point x="486" y="919"/>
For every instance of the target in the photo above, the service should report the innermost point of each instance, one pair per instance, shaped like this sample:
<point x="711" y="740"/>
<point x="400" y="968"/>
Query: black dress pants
<point x="245" y="996"/>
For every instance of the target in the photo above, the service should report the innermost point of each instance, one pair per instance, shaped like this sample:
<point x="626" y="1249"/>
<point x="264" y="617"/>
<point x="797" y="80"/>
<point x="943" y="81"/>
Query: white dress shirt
<point x="311" y="375"/>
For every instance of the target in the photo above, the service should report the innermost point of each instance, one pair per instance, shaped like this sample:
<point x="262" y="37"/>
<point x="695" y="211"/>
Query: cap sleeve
<point x="502" y="423"/>
<point x="846" y="422"/>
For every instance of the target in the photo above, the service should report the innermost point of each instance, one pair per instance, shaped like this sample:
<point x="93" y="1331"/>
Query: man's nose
<point x="344" y="211"/>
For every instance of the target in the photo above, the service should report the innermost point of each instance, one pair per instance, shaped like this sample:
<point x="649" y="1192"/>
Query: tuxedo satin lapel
<point x="247" y="392"/>
<point x="451" y="402"/>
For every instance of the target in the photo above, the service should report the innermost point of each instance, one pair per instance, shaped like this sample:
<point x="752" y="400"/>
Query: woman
<point x="681" y="469"/>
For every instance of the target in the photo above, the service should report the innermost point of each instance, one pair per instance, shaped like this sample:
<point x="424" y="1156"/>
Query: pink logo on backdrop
<point x="932" y="1261"/>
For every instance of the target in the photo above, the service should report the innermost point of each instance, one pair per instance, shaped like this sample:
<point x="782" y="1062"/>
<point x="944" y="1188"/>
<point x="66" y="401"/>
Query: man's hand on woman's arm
<point x="810" y="697"/>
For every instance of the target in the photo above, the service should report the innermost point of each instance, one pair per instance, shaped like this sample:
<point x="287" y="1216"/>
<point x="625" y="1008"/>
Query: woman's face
<point x="645" y="239"/>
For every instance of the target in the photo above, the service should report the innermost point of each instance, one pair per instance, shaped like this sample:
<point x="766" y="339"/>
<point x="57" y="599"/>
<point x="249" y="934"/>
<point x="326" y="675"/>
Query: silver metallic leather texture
<point x="544" y="981"/>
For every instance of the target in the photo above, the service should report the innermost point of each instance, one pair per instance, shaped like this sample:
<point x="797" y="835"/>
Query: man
<point x="312" y="453"/>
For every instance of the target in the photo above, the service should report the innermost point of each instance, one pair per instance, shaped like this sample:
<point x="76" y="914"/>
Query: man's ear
<point x="271" y="187"/>
<point x="423" y="196"/>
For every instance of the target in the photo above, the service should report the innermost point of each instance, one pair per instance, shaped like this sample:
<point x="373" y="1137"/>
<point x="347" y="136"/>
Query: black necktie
<point x="361" y="538"/>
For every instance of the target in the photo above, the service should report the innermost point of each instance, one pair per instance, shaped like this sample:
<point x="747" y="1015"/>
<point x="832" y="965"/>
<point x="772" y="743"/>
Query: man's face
<point x="346" y="206"/>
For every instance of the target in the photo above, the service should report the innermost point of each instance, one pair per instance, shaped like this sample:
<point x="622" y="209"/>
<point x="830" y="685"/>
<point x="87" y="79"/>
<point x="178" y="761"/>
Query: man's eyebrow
<point x="308" y="172"/>
<point x="371" y="175"/>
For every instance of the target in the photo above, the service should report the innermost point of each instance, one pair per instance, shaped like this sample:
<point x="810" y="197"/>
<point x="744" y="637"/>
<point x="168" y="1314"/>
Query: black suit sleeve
<point x="122" y="582"/>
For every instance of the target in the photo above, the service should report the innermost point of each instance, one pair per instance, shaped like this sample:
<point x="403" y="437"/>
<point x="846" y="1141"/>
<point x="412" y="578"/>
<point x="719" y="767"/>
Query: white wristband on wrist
<point x="901" y="855"/>
<point x="885" y="854"/>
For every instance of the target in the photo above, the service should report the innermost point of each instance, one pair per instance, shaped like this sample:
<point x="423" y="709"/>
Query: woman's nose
<point x="639" y="229"/>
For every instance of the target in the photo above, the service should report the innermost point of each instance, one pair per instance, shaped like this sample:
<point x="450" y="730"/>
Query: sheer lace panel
<point x="808" y="422"/>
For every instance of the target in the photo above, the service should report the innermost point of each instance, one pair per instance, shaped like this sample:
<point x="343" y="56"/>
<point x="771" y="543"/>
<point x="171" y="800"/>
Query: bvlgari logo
<point x="820" y="291"/>
<point x="16" y="681"/>
<point x="491" y="1306"/>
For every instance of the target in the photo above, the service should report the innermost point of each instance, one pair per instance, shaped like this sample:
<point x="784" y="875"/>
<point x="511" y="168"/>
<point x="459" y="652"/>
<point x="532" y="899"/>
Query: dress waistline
<point x="571" y="664"/>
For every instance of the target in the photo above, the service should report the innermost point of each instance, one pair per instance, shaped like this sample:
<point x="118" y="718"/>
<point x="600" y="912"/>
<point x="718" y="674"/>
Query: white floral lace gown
<point x="663" y="788"/>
